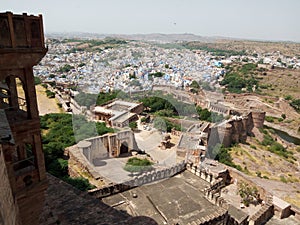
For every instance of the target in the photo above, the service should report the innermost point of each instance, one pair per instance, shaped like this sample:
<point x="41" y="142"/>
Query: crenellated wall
<point x="264" y="214"/>
<point x="140" y="180"/>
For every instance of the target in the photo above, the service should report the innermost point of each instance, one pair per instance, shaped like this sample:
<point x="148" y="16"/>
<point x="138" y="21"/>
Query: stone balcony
<point x="21" y="40"/>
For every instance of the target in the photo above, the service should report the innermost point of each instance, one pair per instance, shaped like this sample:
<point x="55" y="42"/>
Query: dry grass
<point x="45" y="104"/>
<point x="282" y="82"/>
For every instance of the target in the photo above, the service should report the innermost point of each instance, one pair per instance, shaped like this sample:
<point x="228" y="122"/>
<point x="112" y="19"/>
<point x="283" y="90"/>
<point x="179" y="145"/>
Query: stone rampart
<point x="264" y="214"/>
<point x="140" y="180"/>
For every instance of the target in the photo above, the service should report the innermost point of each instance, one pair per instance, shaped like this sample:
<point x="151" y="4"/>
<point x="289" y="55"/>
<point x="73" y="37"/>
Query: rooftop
<point x="179" y="199"/>
<point x="66" y="205"/>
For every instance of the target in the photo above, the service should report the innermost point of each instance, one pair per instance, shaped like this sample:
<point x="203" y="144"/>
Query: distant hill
<point x="155" y="37"/>
<point x="196" y="41"/>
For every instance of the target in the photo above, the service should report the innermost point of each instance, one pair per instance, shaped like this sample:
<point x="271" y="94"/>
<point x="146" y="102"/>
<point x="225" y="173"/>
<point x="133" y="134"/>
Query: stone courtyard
<point x="179" y="199"/>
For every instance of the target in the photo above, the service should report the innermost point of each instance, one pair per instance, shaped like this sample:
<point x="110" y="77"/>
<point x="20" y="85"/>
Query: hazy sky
<point x="252" y="19"/>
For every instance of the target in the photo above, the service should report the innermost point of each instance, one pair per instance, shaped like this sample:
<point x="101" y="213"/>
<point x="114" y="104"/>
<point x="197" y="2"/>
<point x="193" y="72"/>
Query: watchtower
<point x="21" y="47"/>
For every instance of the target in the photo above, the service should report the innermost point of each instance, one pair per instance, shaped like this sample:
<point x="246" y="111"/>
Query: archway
<point x="124" y="148"/>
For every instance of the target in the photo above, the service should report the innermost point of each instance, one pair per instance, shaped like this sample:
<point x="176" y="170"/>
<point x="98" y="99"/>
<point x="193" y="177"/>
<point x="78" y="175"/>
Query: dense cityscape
<point x="146" y="129"/>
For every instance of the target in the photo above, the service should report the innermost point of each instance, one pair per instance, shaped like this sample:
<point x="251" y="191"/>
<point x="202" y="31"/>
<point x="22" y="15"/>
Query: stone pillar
<point x="13" y="99"/>
<point x="40" y="162"/>
<point x="29" y="88"/>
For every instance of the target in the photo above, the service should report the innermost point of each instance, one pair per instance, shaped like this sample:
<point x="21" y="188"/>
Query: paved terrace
<point x="179" y="199"/>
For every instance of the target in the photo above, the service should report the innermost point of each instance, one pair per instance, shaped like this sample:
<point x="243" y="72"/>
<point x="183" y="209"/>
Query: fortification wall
<point x="9" y="212"/>
<point x="213" y="195"/>
<point x="236" y="130"/>
<point x="264" y="214"/>
<point x="238" y="177"/>
<point x="258" y="118"/>
<point x="143" y="179"/>
<point x="77" y="158"/>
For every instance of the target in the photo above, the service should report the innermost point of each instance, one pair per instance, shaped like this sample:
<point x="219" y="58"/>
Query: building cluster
<point x="134" y="67"/>
<point x="138" y="66"/>
<point x="118" y="113"/>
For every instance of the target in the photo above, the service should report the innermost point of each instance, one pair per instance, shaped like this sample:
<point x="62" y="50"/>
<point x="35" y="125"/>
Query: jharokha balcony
<point x="21" y="40"/>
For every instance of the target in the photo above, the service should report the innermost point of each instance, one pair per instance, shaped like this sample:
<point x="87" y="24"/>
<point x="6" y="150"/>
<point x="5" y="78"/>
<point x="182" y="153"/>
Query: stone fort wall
<point x="109" y="145"/>
<point x="140" y="180"/>
<point x="8" y="209"/>
<point x="236" y="130"/>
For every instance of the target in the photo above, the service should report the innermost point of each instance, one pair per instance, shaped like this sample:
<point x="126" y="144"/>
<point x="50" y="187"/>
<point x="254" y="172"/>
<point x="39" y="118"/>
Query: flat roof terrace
<point x="179" y="199"/>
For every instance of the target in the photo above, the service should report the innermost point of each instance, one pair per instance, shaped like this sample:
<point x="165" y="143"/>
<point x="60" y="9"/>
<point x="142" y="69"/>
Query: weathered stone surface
<point x="66" y="205"/>
<point x="21" y="47"/>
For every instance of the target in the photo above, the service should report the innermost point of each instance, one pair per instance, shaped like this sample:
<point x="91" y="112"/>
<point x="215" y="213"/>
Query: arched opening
<point x="124" y="148"/>
<point x="23" y="158"/>
<point x="12" y="94"/>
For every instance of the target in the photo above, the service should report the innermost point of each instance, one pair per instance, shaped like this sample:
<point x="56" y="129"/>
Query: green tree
<point x="103" y="129"/>
<point x="195" y="85"/>
<point x="133" y="125"/>
<point x="86" y="99"/>
<point x="80" y="183"/>
<point x="296" y="104"/>
<point x="248" y="193"/>
<point x="37" y="80"/>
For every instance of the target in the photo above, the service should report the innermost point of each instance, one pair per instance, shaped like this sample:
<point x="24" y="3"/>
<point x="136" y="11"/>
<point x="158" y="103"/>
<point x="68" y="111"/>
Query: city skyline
<point x="259" y="20"/>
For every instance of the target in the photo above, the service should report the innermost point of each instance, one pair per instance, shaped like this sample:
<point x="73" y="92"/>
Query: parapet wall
<point x="213" y="192"/>
<point x="213" y="195"/>
<point x="264" y="214"/>
<point x="143" y="179"/>
<point x="267" y="210"/>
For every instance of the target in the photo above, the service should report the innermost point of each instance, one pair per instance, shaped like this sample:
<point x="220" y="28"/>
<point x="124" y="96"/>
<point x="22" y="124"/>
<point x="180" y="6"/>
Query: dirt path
<point x="45" y="104"/>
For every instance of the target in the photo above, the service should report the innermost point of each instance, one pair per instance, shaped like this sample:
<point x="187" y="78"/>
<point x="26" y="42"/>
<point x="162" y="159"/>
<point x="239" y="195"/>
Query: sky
<point x="247" y="19"/>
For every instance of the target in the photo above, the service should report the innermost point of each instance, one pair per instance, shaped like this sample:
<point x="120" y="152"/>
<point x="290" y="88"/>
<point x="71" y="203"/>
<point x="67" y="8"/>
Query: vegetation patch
<point x="59" y="136"/>
<point x="138" y="165"/>
<point x="168" y="106"/>
<point x="50" y="94"/>
<point x="276" y="147"/>
<point x="248" y="193"/>
<point x="241" y="79"/>
<point x="222" y="155"/>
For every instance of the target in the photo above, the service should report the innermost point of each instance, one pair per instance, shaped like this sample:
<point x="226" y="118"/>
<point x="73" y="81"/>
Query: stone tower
<point x="23" y="170"/>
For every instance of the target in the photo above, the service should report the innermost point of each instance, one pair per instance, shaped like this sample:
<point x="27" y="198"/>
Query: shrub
<point x="269" y="119"/>
<point x="288" y="97"/>
<point x="80" y="183"/>
<point x="138" y="165"/>
<point x="37" y="80"/>
<point x="50" y="94"/>
<point x="268" y="140"/>
<point x="258" y="173"/>
<point x="283" y="179"/>
<point x="249" y="194"/>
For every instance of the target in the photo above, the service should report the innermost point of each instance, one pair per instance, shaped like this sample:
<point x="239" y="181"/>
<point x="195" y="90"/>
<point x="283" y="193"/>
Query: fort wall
<point x="140" y="180"/>
<point x="236" y="129"/>
<point x="8" y="209"/>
